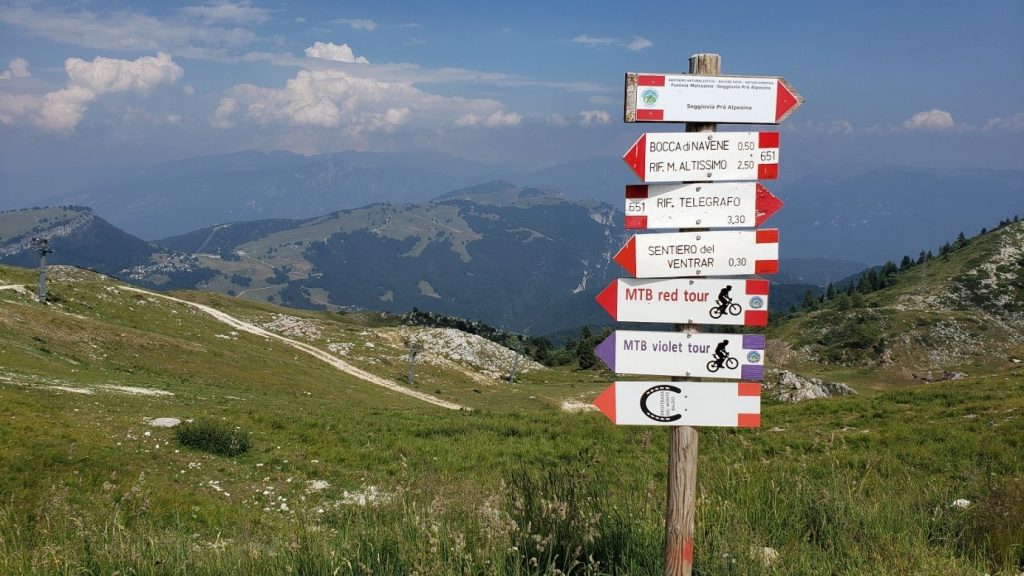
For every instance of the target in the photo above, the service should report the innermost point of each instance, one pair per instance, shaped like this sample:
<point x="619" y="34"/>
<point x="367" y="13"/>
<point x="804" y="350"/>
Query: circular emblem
<point x="649" y="97"/>
<point x="756" y="303"/>
<point x="661" y="416"/>
<point x="753" y="356"/>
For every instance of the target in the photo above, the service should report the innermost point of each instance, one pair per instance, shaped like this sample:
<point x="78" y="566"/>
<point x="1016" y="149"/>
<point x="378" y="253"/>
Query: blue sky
<point x="530" y="83"/>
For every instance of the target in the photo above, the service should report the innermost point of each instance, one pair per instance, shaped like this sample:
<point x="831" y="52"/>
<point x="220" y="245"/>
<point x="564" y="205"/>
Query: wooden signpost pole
<point x="682" y="440"/>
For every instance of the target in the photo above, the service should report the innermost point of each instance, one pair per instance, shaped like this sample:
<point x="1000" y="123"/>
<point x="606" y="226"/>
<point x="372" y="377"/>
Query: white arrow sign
<point x="698" y="156"/>
<point x="682" y="403"/>
<point x="715" y="99"/>
<point x="714" y="253"/>
<point x="706" y="205"/>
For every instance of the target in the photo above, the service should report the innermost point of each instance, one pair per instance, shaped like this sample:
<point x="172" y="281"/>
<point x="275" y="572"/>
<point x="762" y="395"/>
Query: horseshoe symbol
<point x="652" y="415"/>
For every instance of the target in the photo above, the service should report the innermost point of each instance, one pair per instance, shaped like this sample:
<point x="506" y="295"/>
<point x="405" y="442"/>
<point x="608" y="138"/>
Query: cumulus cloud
<point x="222" y="115"/>
<point x="337" y="99"/>
<point x="334" y="52"/>
<point x="498" y="119"/>
<point x="62" y="110"/>
<point x="931" y="120"/>
<point x="17" y="68"/>
<point x="103" y="75"/>
<point x="590" y="117"/>
<point x="233" y="12"/>
<point x="357" y="23"/>
<point x="16" y="106"/>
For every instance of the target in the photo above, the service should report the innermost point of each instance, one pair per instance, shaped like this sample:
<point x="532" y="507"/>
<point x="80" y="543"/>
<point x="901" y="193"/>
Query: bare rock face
<point x="789" y="387"/>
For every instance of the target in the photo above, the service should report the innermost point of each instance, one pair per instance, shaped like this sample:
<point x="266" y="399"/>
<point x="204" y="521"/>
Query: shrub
<point x="214" y="437"/>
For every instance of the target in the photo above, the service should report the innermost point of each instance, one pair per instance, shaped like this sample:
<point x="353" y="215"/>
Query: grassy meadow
<point x="344" y="477"/>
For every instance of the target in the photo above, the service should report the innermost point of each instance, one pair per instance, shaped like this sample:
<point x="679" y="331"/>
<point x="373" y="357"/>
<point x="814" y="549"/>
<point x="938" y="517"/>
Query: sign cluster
<point x="708" y="181"/>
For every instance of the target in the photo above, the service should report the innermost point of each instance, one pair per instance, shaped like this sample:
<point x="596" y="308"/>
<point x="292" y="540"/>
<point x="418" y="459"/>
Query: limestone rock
<point x="789" y="387"/>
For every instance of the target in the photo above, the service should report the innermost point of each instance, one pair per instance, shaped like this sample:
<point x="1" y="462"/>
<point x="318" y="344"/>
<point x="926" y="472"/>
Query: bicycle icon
<point x="714" y="365"/>
<point x="731" y="308"/>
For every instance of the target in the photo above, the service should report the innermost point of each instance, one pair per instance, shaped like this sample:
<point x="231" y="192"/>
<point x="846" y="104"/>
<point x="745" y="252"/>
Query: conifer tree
<point x="808" y="300"/>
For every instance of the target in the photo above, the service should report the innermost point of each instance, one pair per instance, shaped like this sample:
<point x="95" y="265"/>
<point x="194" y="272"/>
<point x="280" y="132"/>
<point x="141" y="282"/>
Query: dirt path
<point x="311" y="350"/>
<point x="17" y="288"/>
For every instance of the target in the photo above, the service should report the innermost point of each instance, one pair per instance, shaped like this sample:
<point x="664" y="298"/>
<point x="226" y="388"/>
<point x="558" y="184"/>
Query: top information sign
<point x="711" y="99"/>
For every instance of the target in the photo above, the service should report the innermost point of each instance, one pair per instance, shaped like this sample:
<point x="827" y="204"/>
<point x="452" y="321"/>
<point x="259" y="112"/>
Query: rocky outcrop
<point x="789" y="387"/>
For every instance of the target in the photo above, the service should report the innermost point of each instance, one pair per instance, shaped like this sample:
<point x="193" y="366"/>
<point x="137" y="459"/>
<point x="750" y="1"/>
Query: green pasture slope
<point x="344" y="477"/>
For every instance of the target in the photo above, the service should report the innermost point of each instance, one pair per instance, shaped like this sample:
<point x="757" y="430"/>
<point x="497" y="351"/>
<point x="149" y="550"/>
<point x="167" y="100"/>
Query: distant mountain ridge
<point x="76" y="235"/>
<point x="857" y="215"/>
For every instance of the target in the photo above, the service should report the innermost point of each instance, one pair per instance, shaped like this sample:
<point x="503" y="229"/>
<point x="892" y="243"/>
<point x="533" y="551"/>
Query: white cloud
<point x="636" y="44"/>
<point x="103" y="75"/>
<point x="589" y="117"/>
<point x="129" y="31"/>
<point x="1014" y="123"/>
<point x="557" y="120"/>
<point x="639" y="43"/>
<point x="16" y="106"/>
<point x="334" y="52"/>
<point x="234" y="12"/>
<point x="333" y="98"/>
<point x="830" y="127"/>
<point x="497" y="119"/>
<point x="931" y="120"/>
<point x="222" y="115"/>
<point x="357" y="23"/>
<point x="62" y="110"/>
<point x="17" y="68"/>
<point x="188" y="89"/>
<point x="593" y="42"/>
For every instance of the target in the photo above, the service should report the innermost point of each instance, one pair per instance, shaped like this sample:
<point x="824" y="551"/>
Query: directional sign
<point x="731" y="356"/>
<point x="687" y="301"/>
<point x="713" y="99"/>
<point x="714" y="253"/>
<point x="698" y="156"/>
<point x="711" y="205"/>
<point x="682" y="403"/>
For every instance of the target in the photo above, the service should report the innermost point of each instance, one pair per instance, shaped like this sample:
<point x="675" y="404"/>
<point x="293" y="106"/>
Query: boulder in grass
<point x="788" y="387"/>
<point x="164" y="422"/>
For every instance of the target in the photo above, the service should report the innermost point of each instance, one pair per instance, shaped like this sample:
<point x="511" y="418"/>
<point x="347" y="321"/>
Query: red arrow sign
<point x="700" y="156"/>
<point x="682" y="403"/>
<point x="708" y="205"/>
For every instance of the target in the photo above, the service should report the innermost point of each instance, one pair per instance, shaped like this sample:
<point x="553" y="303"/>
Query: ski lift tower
<point x="42" y="246"/>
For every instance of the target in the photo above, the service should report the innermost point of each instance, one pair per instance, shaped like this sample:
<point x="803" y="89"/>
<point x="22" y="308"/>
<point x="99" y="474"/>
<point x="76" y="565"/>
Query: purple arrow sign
<point x="739" y="356"/>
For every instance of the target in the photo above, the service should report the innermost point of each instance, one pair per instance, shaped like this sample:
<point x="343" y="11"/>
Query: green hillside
<point x="344" y="475"/>
<point x="961" y="311"/>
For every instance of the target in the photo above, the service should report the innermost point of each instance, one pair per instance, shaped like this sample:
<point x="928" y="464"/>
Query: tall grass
<point x="854" y="486"/>
<point x="212" y="436"/>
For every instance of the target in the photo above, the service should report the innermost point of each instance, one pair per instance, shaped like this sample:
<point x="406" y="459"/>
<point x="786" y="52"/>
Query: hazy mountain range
<point x="864" y="216"/>
<point x="521" y="258"/>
